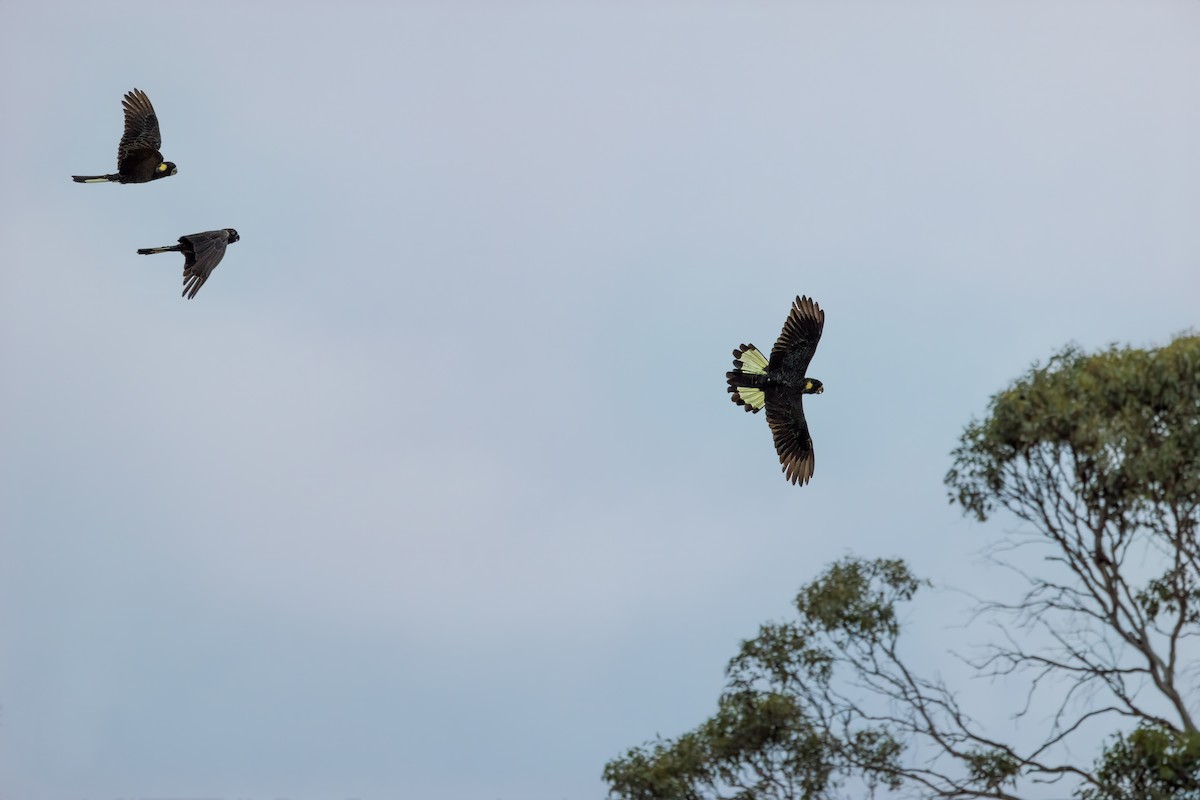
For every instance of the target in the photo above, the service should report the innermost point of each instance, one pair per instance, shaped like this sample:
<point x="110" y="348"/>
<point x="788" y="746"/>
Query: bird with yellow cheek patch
<point x="779" y="384"/>
<point x="138" y="156"/>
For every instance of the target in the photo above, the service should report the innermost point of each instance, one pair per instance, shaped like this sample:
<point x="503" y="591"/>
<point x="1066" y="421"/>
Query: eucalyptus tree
<point x="1098" y="457"/>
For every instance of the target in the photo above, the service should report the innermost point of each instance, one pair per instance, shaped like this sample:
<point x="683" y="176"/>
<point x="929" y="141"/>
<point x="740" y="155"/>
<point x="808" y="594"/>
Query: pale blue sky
<point x="435" y="489"/>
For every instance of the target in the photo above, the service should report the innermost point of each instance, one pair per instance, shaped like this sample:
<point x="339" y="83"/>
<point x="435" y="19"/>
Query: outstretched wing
<point x="796" y="344"/>
<point x="141" y="127"/>
<point x="785" y="415"/>
<point x="207" y="251"/>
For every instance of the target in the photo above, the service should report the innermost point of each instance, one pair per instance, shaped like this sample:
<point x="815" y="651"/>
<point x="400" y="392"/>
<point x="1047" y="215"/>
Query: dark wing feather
<point x="785" y="415"/>
<point x="141" y="127"/>
<point x="207" y="250"/>
<point x="798" y="342"/>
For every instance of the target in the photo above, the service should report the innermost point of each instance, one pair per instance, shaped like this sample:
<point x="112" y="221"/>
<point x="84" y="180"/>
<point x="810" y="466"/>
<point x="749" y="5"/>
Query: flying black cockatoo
<point x="780" y="383"/>
<point x="201" y="252"/>
<point x="138" y="159"/>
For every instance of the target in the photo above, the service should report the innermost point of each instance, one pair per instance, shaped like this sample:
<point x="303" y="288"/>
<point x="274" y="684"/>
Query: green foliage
<point x="1100" y="456"/>
<point x="771" y="736"/>
<point x="1123" y="426"/>
<point x="1149" y="764"/>
<point x="857" y="598"/>
<point x="757" y="745"/>
<point x="991" y="769"/>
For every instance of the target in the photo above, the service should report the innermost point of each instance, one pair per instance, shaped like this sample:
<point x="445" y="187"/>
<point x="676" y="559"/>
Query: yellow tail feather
<point x="751" y="361"/>
<point x="751" y="399"/>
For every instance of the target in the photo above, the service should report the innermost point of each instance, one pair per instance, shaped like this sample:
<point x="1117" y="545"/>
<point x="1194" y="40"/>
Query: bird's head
<point x="165" y="170"/>
<point x="232" y="234"/>
<point x="813" y="386"/>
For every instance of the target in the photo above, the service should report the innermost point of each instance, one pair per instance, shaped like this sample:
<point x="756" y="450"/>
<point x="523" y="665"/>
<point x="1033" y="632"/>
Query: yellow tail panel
<point x="752" y="399"/>
<point x="752" y="361"/>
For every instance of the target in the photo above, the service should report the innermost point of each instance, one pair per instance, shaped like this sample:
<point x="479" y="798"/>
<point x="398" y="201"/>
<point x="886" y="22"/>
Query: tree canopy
<point x="1099" y="456"/>
<point x="1148" y="764"/>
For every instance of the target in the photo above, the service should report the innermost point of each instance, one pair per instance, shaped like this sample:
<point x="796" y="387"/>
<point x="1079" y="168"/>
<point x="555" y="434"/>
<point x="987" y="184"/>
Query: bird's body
<point x="779" y="385"/>
<point x="138" y="156"/>
<point x="201" y="254"/>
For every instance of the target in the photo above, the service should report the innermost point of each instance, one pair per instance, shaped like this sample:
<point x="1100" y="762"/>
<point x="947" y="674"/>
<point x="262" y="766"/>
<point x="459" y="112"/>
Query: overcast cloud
<point x="435" y="489"/>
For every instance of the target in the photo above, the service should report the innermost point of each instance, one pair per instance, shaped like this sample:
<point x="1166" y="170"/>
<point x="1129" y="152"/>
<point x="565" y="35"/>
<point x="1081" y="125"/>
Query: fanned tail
<point x="748" y="377"/>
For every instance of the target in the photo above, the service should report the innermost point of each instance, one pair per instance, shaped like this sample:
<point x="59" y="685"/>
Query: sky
<point x="434" y="489"/>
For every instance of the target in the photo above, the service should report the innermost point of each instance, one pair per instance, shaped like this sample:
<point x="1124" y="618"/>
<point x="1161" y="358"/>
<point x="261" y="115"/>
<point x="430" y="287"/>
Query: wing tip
<point x="807" y="306"/>
<point x="798" y="471"/>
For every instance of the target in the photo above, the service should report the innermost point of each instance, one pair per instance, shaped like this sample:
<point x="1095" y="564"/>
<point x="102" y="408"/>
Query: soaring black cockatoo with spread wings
<point x="780" y="383"/>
